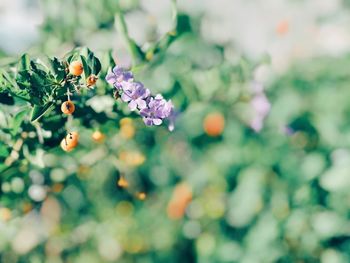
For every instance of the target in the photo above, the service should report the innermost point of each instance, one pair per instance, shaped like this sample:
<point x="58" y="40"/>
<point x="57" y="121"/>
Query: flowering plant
<point x="153" y="109"/>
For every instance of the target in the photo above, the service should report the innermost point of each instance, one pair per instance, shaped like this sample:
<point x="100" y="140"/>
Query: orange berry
<point x="181" y="197"/>
<point x="76" y="68"/>
<point x="67" y="107"/>
<point x="5" y="214"/>
<point x="282" y="27"/>
<point x="127" y="131"/>
<point x="214" y="124"/>
<point x="122" y="182"/>
<point x="125" y="121"/>
<point x="72" y="139"/>
<point x="98" y="136"/>
<point x="91" y="80"/>
<point x="65" y="147"/>
<point x="176" y="210"/>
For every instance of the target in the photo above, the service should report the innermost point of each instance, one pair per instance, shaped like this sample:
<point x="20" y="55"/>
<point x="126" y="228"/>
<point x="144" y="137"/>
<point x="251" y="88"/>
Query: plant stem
<point x="122" y="28"/>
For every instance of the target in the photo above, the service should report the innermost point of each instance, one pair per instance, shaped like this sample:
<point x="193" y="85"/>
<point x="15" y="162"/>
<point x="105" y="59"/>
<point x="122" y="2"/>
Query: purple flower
<point x="154" y="110"/>
<point x="135" y="94"/>
<point x="118" y="76"/>
<point x="157" y="110"/>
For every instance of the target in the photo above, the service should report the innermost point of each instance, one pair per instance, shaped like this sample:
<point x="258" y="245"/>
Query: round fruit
<point x="98" y="136"/>
<point x="214" y="124"/>
<point x="76" y="68"/>
<point x="72" y="139"/>
<point x="67" y="107"/>
<point x="91" y="80"/>
<point x="65" y="146"/>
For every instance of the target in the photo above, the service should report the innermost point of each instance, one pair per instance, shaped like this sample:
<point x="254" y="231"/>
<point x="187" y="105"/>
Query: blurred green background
<point x="256" y="170"/>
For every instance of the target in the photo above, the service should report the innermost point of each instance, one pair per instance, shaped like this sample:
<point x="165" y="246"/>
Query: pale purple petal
<point x="111" y="78"/>
<point x="132" y="105"/>
<point x="141" y="103"/>
<point x="125" y="97"/>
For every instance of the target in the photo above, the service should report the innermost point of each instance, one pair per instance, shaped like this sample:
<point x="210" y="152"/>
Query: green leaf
<point x="87" y="70"/>
<point x="39" y="111"/>
<point x="24" y="63"/>
<point x="8" y="78"/>
<point x="94" y="63"/>
<point x="58" y="69"/>
<point x="6" y="99"/>
<point x="86" y="52"/>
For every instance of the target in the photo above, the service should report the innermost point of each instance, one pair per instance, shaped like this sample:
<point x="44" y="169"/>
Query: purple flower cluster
<point x="153" y="109"/>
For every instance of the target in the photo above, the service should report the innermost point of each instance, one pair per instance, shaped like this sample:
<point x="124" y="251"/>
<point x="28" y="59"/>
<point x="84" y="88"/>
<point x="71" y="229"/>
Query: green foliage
<point x="44" y="86"/>
<point x="278" y="195"/>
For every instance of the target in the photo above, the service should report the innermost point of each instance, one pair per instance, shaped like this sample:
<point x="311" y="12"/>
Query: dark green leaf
<point x="24" y="63"/>
<point x="39" y="111"/>
<point x="87" y="70"/>
<point x="58" y="69"/>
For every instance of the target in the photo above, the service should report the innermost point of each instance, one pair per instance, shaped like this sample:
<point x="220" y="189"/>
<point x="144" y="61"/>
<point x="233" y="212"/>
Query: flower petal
<point x="157" y="121"/>
<point x="132" y="105"/>
<point x="125" y="97"/>
<point x="111" y="78"/>
<point x="148" y="121"/>
<point x="141" y="103"/>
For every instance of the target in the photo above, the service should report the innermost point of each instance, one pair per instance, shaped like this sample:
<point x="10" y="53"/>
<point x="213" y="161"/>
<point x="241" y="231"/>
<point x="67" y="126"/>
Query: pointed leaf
<point x="24" y="63"/>
<point x="39" y="111"/>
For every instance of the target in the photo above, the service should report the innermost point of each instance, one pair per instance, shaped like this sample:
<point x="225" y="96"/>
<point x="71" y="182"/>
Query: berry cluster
<point x="76" y="69"/>
<point x="153" y="109"/>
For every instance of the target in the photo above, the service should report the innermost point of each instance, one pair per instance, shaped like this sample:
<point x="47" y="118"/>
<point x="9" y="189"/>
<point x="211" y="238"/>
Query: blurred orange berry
<point x="176" y="210"/>
<point x="181" y="197"/>
<point x="122" y="182"/>
<point x="214" y="124"/>
<point x="5" y="214"/>
<point x="125" y="121"/>
<point x="282" y="27"/>
<point x="98" y="136"/>
<point x="141" y="195"/>
<point x="127" y="131"/>
<point x="76" y="68"/>
<point x="132" y="158"/>
<point x="67" y="107"/>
